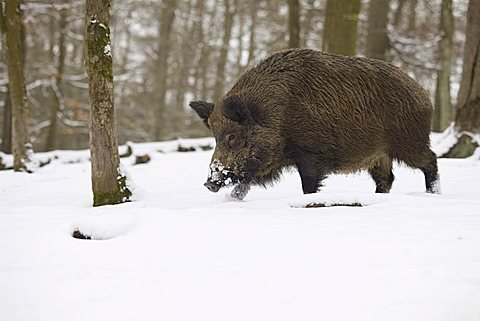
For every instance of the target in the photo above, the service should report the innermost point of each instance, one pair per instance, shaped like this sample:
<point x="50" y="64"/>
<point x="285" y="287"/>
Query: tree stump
<point x="464" y="147"/>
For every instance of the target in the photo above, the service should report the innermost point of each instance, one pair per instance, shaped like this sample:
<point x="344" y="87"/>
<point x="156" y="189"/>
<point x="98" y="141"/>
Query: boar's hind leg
<point x="430" y="170"/>
<point x="382" y="174"/>
<point x="426" y="161"/>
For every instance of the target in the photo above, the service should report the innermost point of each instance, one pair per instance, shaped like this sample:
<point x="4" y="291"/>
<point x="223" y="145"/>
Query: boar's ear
<point x="234" y="108"/>
<point x="203" y="110"/>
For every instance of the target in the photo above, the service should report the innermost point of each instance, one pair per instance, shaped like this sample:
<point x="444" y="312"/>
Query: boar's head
<point x="247" y="149"/>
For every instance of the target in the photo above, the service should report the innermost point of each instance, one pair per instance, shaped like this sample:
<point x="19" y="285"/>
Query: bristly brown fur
<point x="323" y="113"/>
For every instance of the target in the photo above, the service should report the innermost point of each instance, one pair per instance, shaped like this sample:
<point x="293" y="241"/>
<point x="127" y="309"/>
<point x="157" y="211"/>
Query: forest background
<point x="169" y="52"/>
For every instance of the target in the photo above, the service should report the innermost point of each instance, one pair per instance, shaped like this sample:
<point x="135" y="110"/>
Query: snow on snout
<point x="220" y="174"/>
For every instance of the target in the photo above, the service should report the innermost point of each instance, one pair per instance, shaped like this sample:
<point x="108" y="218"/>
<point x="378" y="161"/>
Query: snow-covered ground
<point x="179" y="252"/>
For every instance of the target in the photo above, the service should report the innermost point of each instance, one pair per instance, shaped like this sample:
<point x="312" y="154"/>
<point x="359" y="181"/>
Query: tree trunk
<point x="57" y="82"/>
<point x="108" y="183"/>
<point x="222" y="60"/>
<point x="397" y="18"/>
<point x="253" y="27"/>
<point x="52" y="21"/>
<point x="467" y="121"/>
<point x="468" y="103"/>
<point x="443" y="115"/>
<point x="6" y="146"/>
<point x="166" y="22"/>
<point x="293" y="24"/>
<point x="412" y="17"/>
<point x="241" y="28"/>
<point x="123" y="87"/>
<point x="341" y="24"/>
<point x="306" y="26"/>
<point x="190" y="26"/>
<point x="18" y="93"/>
<point x="202" y="73"/>
<point x="377" y="43"/>
<point x="7" y="125"/>
<point x="200" y="47"/>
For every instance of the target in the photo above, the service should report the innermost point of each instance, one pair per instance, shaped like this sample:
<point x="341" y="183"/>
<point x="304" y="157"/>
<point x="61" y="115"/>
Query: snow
<point x="436" y="189"/>
<point x="443" y="142"/>
<point x="107" y="51"/>
<point x="180" y="252"/>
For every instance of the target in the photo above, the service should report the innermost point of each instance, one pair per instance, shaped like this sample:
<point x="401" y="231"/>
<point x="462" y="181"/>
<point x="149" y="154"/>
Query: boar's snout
<point x="219" y="176"/>
<point x="212" y="186"/>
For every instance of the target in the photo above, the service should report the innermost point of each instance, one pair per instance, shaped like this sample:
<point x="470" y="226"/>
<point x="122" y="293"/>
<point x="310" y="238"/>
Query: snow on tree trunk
<point x="108" y="183"/>
<point x="18" y="93"/>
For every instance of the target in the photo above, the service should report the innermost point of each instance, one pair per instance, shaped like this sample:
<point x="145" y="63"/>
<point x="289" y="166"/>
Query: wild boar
<point x="321" y="113"/>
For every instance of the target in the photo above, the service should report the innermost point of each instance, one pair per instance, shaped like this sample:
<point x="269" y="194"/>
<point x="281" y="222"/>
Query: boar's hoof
<point x="212" y="186"/>
<point x="240" y="191"/>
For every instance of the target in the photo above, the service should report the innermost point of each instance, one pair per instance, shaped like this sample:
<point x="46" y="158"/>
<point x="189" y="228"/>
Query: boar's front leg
<point x="311" y="175"/>
<point x="310" y="183"/>
<point x="240" y="191"/>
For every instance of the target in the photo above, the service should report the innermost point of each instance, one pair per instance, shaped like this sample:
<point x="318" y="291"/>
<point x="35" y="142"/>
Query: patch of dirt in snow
<point x="316" y="205"/>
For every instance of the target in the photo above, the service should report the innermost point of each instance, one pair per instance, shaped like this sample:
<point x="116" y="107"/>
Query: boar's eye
<point x="231" y="141"/>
